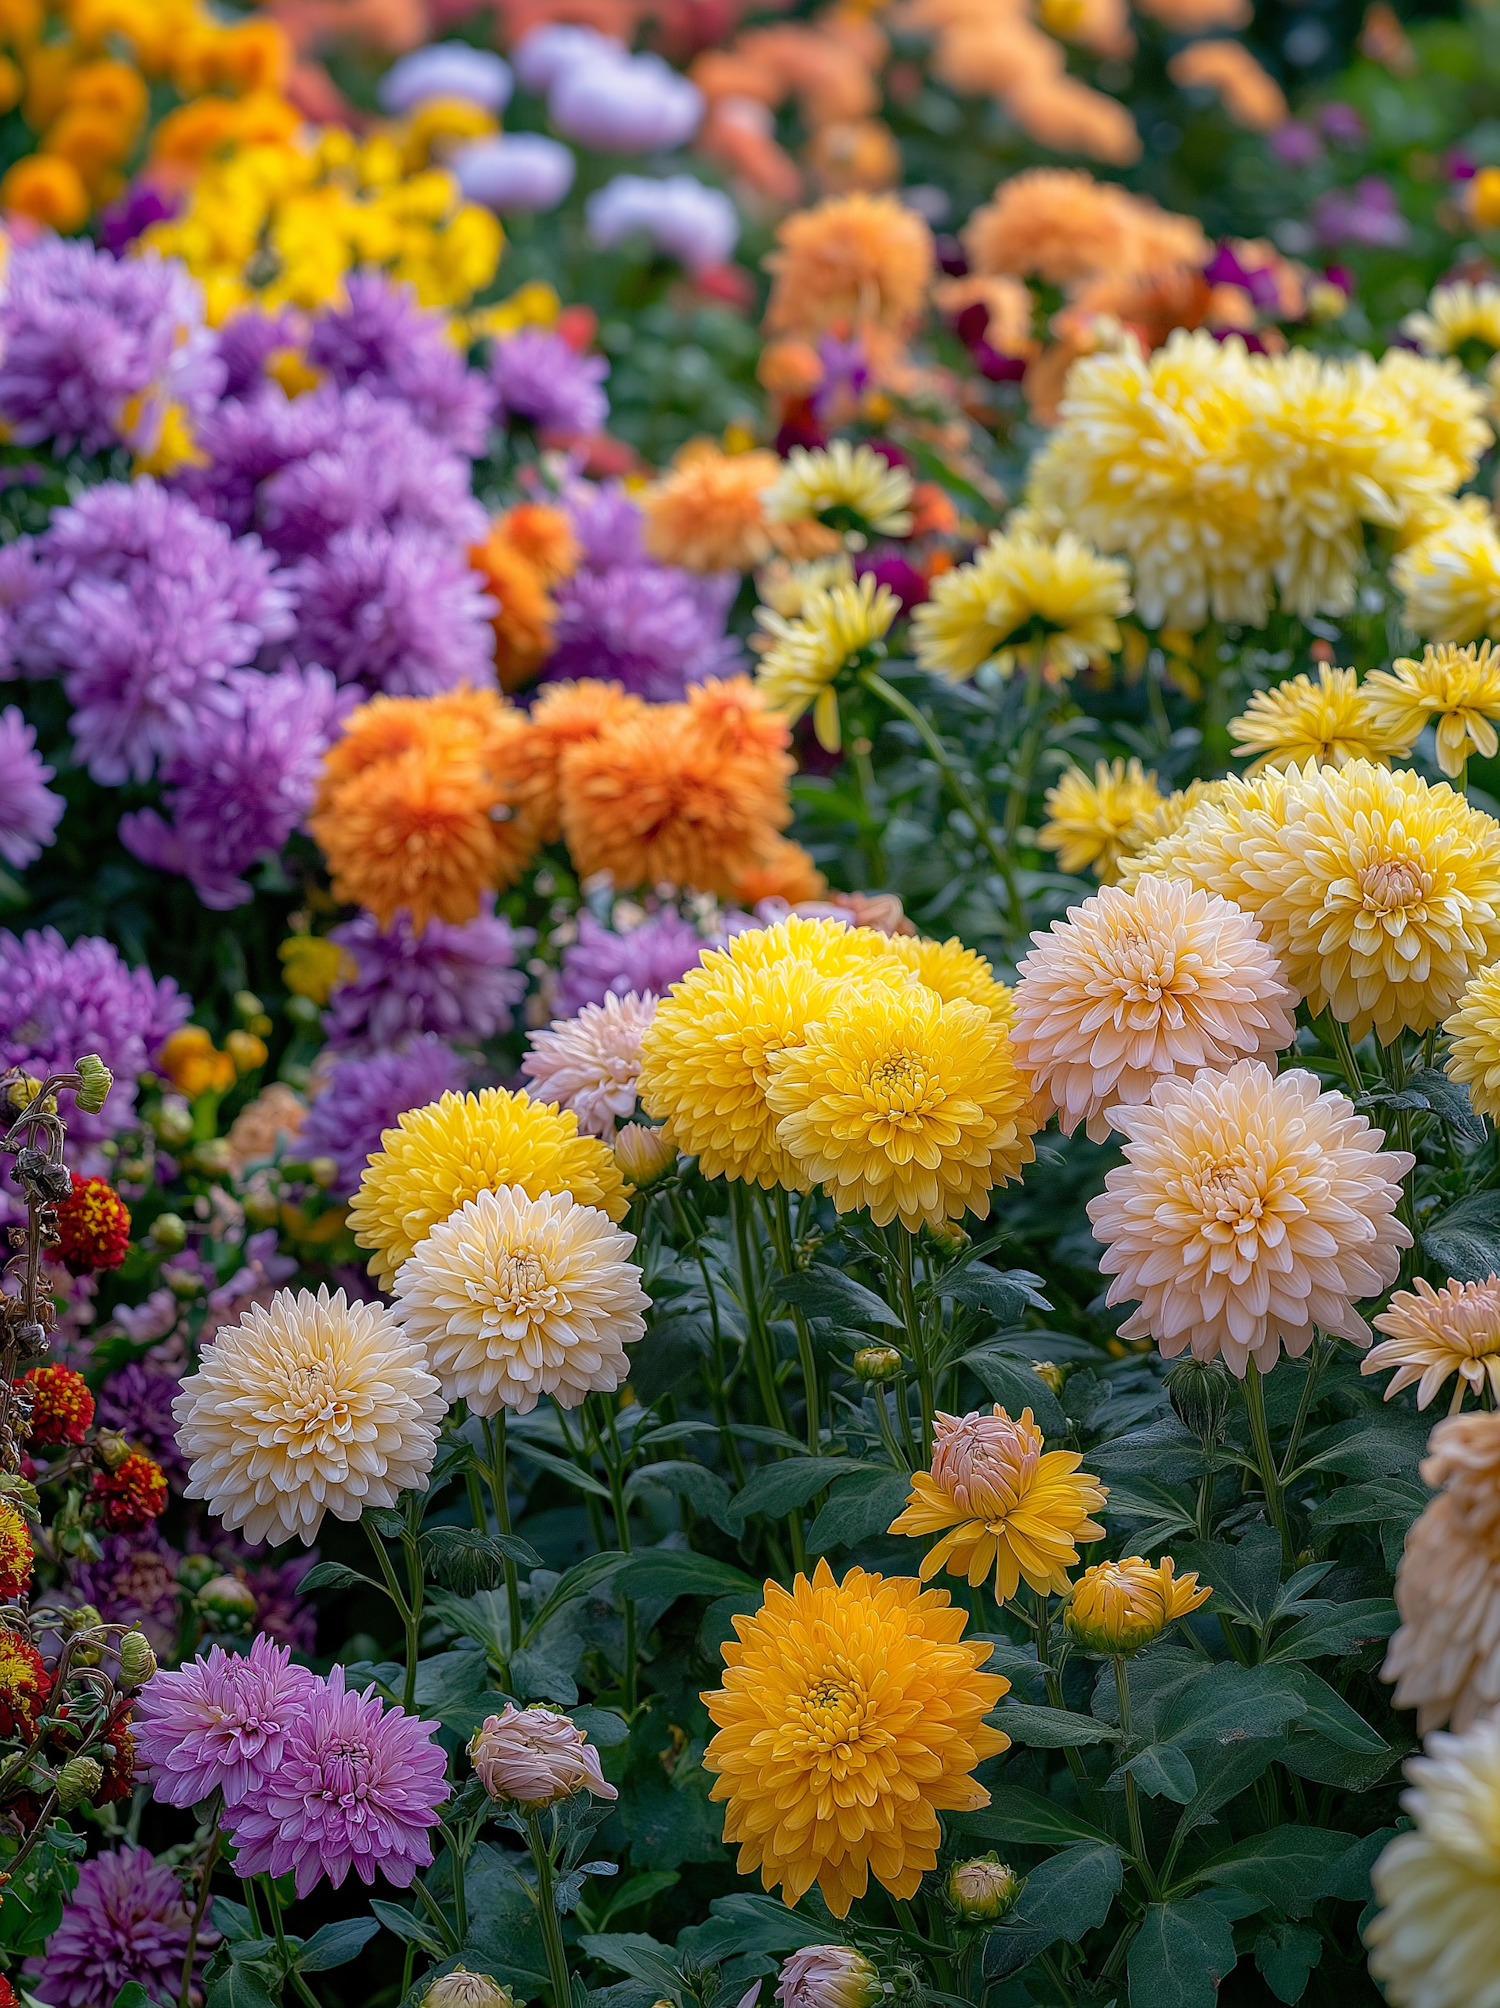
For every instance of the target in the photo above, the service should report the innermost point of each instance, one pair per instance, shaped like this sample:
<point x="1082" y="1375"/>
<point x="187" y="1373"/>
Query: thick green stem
<point x="437" y="1915"/>
<point x="760" y="1336"/>
<point x="284" y="1951"/>
<point x="1050" y="1678"/>
<point x="1132" y="1792"/>
<point x="205" y="1885"/>
<point x="610" y="1456"/>
<point x="583" y="1459"/>
<point x="410" y="1621"/>
<point x="496" y="1473"/>
<point x="1338" y="1038"/>
<point x="1019" y="793"/>
<point x="414" y="1594"/>
<point x="1265" y="1458"/>
<point x="557" y="1958"/>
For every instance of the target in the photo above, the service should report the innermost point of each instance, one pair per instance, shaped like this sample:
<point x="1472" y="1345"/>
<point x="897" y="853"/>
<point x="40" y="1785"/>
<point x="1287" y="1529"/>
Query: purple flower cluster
<point x="651" y="957"/>
<point x="366" y="1093"/>
<point x="137" y="1401"/>
<point x="386" y="342"/>
<point x="458" y="981"/>
<point x="29" y="811"/>
<point x="540" y="379"/>
<point x="126" y="1921"/>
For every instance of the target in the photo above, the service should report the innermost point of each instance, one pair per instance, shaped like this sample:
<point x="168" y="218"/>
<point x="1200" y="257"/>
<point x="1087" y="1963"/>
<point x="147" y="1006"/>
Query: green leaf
<point x="678" y="1572"/>
<point x="1284" y="1867"/>
<point x="1329" y="1715"/>
<point x="239" y="1987"/>
<point x="408" y="1925"/>
<point x="336" y="1944"/>
<point x="1007" y="1295"/>
<point x="745" y="1923"/>
<point x="1338" y="1631"/>
<point x="577" y="1582"/>
<point x="1224" y="1769"/>
<point x="1449" y="1100"/>
<point x="1164" y="1772"/>
<point x="1464" y="1242"/>
<point x="601" y="1726"/>
<point x="1029" y="1821"/>
<point x="467" y="1560"/>
<point x="1050" y="1728"/>
<point x="1285" y="1955"/>
<point x="705" y="1491"/>
<point x="633" y="1952"/>
<point x="560" y="1467"/>
<point x="636" y="1890"/>
<point x="864" y="1503"/>
<point x="133" y="1995"/>
<point x="1016" y="1387"/>
<point x="230" y="1919"/>
<point x="777" y="1489"/>
<point x="1387" y="1448"/>
<point x="335" y="1576"/>
<point x="502" y="1937"/>
<point x="1067" y="1895"/>
<point x="386" y="1521"/>
<point x="1179" y="1956"/>
<point x="454" y="1686"/>
<point x="1231" y="1704"/>
<point x="827" y="1293"/>
<point x="1357" y="1505"/>
<point x="1148" y="1501"/>
<point x="1348" y="1879"/>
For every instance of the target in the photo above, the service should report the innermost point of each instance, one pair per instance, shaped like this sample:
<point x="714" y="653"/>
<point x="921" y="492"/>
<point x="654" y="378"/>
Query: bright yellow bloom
<point x="1119" y="1607"/>
<point x="1153" y="829"/>
<point x="312" y="964"/>
<point x="440" y="1156"/>
<point x="1461" y="686"/>
<point x="1331" y="721"/>
<point x="1474" y="1054"/>
<point x="955" y="971"/>
<point x="1450" y="578"/>
<point x="1091" y="824"/>
<point x="1056" y="602"/>
<point x="1003" y="1505"/>
<point x="1456" y="315"/>
<point x="850" y="487"/>
<point x="836" y="626"/>
<point x="850" y="1716"/>
<point x="1435" y="1333"/>
<point x="1437" y="403"/>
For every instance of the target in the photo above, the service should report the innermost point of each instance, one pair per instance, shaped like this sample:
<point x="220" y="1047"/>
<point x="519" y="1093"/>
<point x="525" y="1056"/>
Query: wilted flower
<point x="1118" y="1607"/>
<point x="532" y="1757"/>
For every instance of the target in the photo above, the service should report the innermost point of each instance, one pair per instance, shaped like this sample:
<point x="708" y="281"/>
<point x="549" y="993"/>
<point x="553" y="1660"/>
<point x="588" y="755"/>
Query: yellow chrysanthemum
<point x="1438" y="403"/>
<point x="1460" y="686"/>
<point x="1195" y="814"/>
<point x="955" y="971"/>
<point x="1062" y="594"/>
<point x="1331" y="721"/>
<point x="1158" y="825"/>
<point x="1119" y="1607"/>
<point x="1003" y="1505"/>
<point x="786" y="589"/>
<point x="1457" y="314"/>
<point x="312" y="964"/>
<point x="849" y="487"/>
<point x="904" y="1104"/>
<point x="1450" y="579"/>
<point x="438" y="1157"/>
<point x="1090" y="823"/>
<point x="836" y="626"/>
<point x="1474" y="1054"/>
<point x="850" y="1716"/>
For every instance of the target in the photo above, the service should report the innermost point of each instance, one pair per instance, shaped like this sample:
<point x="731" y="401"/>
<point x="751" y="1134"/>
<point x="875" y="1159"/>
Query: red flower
<point x="130" y="1497"/>
<point x="24" y="1686"/>
<point x="94" y="1223"/>
<point x="61" y="1406"/>
<point x="7" y="1993"/>
<point x="15" y="1559"/>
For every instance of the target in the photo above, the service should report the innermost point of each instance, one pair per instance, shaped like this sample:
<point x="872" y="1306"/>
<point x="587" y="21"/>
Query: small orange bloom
<point x="544" y="536"/>
<point x="706" y="514"/>
<point x="853" y="260"/>
<point x="47" y="188"/>
<point x="523" y="622"/>
<point x="785" y="871"/>
<point x="565" y="715"/>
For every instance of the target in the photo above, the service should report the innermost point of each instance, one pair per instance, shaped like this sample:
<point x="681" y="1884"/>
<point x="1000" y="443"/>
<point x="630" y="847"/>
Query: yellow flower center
<point x="832" y="1724"/>
<point x="523" y="1284"/>
<point x="1394" y="883"/>
<point x="316" y="1413"/>
<point x="899" y="1083"/>
<point x="1229" y="1194"/>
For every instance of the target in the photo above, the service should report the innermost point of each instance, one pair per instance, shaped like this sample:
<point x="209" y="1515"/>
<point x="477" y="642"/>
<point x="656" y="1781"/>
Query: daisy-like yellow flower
<point x="1449" y="579"/>
<point x="1436" y="1333"/>
<point x="955" y="971"/>
<point x="1061" y="593"/>
<point x="1458" y="686"/>
<point x="1090" y="824"/>
<point x="1457" y="315"/>
<point x="1331" y="721"/>
<point x="441" y="1156"/>
<point x="1119" y="1607"/>
<point x="847" y="487"/>
<point x="904" y="1104"/>
<point x="1474" y="1055"/>
<point x="1004" y="1506"/>
<point x="851" y="1715"/>
<point x="836" y="626"/>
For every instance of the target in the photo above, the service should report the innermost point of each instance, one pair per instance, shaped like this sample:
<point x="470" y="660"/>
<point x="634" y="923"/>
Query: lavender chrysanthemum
<point x="250" y="438"/>
<point x="652" y="628"/>
<point x="221" y="1724"/>
<point x="137" y="1401"/>
<point x="23" y="580"/>
<point x="650" y="958"/>
<point x="134" y="1581"/>
<point x="607" y="522"/>
<point x="396" y="611"/>
<point x="358" y="1787"/>
<point x="383" y="340"/>
<point x="460" y="982"/>
<point x="247" y="341"/>
<point x="538" y="377"/>
<point x="125" y="1921"/>
<point x="242" y="783"/>
<point x="29" y="811"/>
<point x="367" y="1093"/>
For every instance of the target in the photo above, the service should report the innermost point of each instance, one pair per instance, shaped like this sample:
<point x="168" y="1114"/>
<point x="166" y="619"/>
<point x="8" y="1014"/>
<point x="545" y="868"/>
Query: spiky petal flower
<point x="129" y="1497"/>
<point x="836" y="626"/>
<point x="61" y="1406"/>
<point x="1332" y="721"/>
<point x="1449" y="579"/>
<point x="1023" y="597"/>
<point x="1460" y="687"/>
<point x="1118" y="1607"/>
<point x="126" y="1921"/>
<point x="310" y="1405"/>
<point x="220" y="1723"/>
<point x="1135" y="986"/>
<point x="1092" y="824"/>
<point x="15" y="1554"/>
<point x="1474" y="1029"/>
<point x="851" y="1715"/>
<point x="1252" y="1207"/>
<point x="589" y="1063"/>
<point x="1002" y="1504"/>
<point x="850" y="487"/>
<point x="534" y="1757"/>
<point x="955" y="971"/>
<point x="1445" y="1658"/>
<point x="24" y="1686"/>
<point x="1456" y="315"/>
<point x="1435" y="1333"/>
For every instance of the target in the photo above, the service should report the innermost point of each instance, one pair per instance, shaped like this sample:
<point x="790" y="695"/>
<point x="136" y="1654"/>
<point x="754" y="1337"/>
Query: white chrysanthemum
<point x="309" y="1405"/>
<point x="589" y="1063"/>
<point x="1135" y="986"/>
<point x="514" y="1298"/>
<point x="1436" y="1940"/>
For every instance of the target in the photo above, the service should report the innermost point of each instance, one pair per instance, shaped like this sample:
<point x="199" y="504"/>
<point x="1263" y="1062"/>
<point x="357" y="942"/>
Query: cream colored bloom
<point x="835" y="626"/>
<point x="463" y="1989"/>
<point x="1445" y="1659"/>
<point x="1474" y="1054"/>
<point x="1093" y="824"/>
<point x="514" y="1298"/>
<point x="534" y="1757"/>
<point x="309" y="1405"/>
<point x="786" y="588"/>
<point x="1252" y="1207"/>
<point x="589" y="1063"/>
<point x="644" y="1154"/>
<point x="1331" y="721"/>
<point x="1135" y="987"/>
<point x="1456" y="315"/>
<point x="827" y="1976"/>
<point x="1450" y="579"/>
<point x="1055" y="601"/>
<point x="854" y="486"/>
<point x="1435" y="1333"/>
<point x="1460" y="687"/>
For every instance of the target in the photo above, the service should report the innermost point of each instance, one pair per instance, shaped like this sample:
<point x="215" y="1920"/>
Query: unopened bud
<point x="137" y="1660"/>
<point x="110" y="1449"/>
<point x="173" y="1119"/>
<point x="81" y="1618"/>
<point x="1049" y="1372"/>
<point x="644" y="1155"/>
<point x="79" y="1779"/>
<point x="214" y="1155"/>
<point x="21" y="1092"/>
<point x="168" y="1233"/>
<point x="982" y="1890"/>
<point x="1201" y="1392"/>
<point x="876" y="1364"/>
<point x="246" y="1051"/>
<point x="463" y="1989"/>
<point x="534" y="1757"/>
<point x="193" y="1571"/>
<point x="247" y="1005"/>
<point x="94" y="1082"/>
<point x="827" y="1976"/>
<point x="228" y="1604"/>
<point x="181" y="1281"/>
<point x="948" y="1236"/>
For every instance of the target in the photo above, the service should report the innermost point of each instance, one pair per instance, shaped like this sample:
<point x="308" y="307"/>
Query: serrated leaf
<point x="1068" y="1894"/>
<point x="335" y="1576"/>
<point x="1449" y="1100"/>
<point x="468" y="1561"/>
<point x="336" y="1944"/>
<point x="1006" y="1294"/>
<point x="827" y="1293"/>
<point x="1231" y="1704"/>
<point x="864" y="1503"/>
<point x="705" y="1491"/>
<point x="1179" y="1956"/>
<point x="1051" y="1728"/>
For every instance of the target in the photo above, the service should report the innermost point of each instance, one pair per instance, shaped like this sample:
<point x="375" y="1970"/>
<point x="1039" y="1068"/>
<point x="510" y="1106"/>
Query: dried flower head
<point x="1093" y="824"/>
<point x="1118" y="1607"/>
<point x="589" y="1063"/>
<point x="1436" y="1333"/>
<point x="1459" y="687"/>
<point x="1332" y="722"/>
<point x="534" y="1757"/>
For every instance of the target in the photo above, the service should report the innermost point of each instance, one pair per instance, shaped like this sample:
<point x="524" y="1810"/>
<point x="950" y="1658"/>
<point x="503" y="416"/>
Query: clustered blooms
<point x="61" y="1405"/>
<point x="93" y="1226"/>
<point x="131" y="1495"/>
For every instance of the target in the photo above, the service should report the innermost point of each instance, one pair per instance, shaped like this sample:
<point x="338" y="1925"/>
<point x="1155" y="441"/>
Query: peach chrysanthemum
<point x="1093" y="824"/>
<point x="861" y="261"/>
<point x="1332" y="722"/>
<point x="1023" y="597"/>
<point x="1251" y="1208"/>
<point x="1060" y="225"/>
<point x="1251" y="96"/>
<point x="1136" y="986"/>
<point x="1435" y="1333"/>
<point x="953" y="971"/>
<point x="851" y="1715"/>
<point x="706" y="514"/>
<point x="904" y="1104"/>
<point x="1474" y="1052"/>
<point x="438" y="1157"/>
<point x="524" y="610"/>
<point x="1445" y="1658"/>
<point x="783" y="871"/>
<point x="309" y="1405"/>
<point x="1005" y="1507"/>
<point x="514" y="1297"/>
<point x="1460" y="687"/>
<point x="564" y="715"/>
<point x="589" y="1063"/>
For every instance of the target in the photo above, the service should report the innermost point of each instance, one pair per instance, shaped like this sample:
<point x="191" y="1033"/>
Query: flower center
<point x="315" y="1406"/>
<point x="346" y="1774"/>
<point x="832" y="1721"/>
<point x="899" y="1082"/>
<point x="1227" y="1193"/>
<point x="1394" y="883"/>
<point x="523" y="1285"/>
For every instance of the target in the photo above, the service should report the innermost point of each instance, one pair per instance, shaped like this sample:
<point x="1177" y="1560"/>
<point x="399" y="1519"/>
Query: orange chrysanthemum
<point x="565" y="715"/>
<point x="544" y="537"/>
<point x="851" y="1715"/>
<point x="706" y="514"/>
<point x="856" y="260"/>
<point x="785" y="871"/>
<point x="1059" y="224"/>
<point x="525" y="610"/>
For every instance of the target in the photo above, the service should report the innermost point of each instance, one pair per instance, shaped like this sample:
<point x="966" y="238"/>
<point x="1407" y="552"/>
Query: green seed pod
<point x="79" y="1779"/>
<point x="94" y="1082"/>
<point x="137" y="1660"/>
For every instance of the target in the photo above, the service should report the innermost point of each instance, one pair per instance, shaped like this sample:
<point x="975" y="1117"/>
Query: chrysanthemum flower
<point x="861" y="261"/>
<point x="1440" y="405"/>
<point x="513" y="1297"/>
<point x="534" y="1757"/>
<point x="545" y="538"/>
<point x="827" y="1976"/>
<point x="129" y="1497"/>
<point x="1252" y="1207"/>
<point x="1449" y="578"/>
<point x="707" y="513"/>
<point x="94" y="1225"/>
<point x="24" y="1686"/>
<point x="126" y="1921"/>
<point x="1003" y="1505"/>
<point x="849" y="487"/>
<point x="1474" y="1054"/>
<point x="837" y="626"/>
<point x="1056" y="602"/>
<point x="525" y="613"/>
<point x="955" y="971"/>
<point x="589" y="1063"/>
<point x="1435" y="1333"/>
<point x="16" y="1556"/>
<point x="61" y="1406"/>
<point x="1118" y="1607"/>
<point x="851" y="1715"/>
<point x="1092" y="824"/>
<point x="309" y="1405"/>
<point x="1457" y="314"/>
<point x="1445" y="1658"/>
<point x="1460" y="687"/>
<point x="564" y="715"/>
<point x="783" y="872"/>
<point x="220" y="1723"/>
<point x="1332" y="721"/>
<point x="438" y="1157"/>
<point x="1134" y="986"/>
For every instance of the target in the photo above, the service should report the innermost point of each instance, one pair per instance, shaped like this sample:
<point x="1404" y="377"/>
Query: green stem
<point x="496" y="1473"/>
<point x="557" y="1958"/>
<point x="781" y="1235"/>
<point x="1338" y="1038"/>
<point x="614" y="1470"/>
<point x="205" y="1882"/>
<point x="410" y="1620"/>
<point x="437" y="1915"/>
<point x="1050" y="1679"/>
<point x="414" y="1593"/>
<point x="916" y="1337"/>
<point x="283" y="1950"/>
<point x="1132" y="1794"/>
<point x="1320" y="1355"/>
<point x="760" y="1337"/>
<point x="582" y="1458"/>
<point x="460" y="1857"/>
<point x="1018" y="796"/>
<point x="1270" y="1477"/>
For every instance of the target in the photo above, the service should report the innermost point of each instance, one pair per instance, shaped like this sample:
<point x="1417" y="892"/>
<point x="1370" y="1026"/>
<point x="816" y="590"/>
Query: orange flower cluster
<point x="856" y="263"/>
<point x="132" y="1495"/>
<point x="529" y="549"/>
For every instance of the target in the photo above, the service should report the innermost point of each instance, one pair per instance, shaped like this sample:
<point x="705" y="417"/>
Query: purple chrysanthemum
<point x="396" y="611"/>
<point x="23" y="580"/>
<point x="606" y="521"/>
<point x="142" y="204"/>
<point x="260" y="1274"/>
<point x="651" y="957"/>
<point x="365" y="1095"/>
<point x="58" y="1002"/>
<point x="29" y="811"/>
<point x="250" y="438"/>
<point x="458" y="981"/>
<point x="538" y="377"/>
<point x="224" y="1723"/>
<point x="137" y="1401"/>
<point x="247" y="341"/>
<point x="125" y="1921"/>
<point x="394" y="348"/>
<point x="134" y="1581"/>
<point x="650" y="627"/>
<point x="358" y="1787"/>
<point x="85" y="335"/>
<point x="242" y="783"/>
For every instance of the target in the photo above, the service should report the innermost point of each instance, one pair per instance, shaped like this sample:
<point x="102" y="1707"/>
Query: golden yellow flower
<point x="1118" y="1607"/>
<point x="849" y="487"/>
<point x="1003" y="1505"/>
<point x="835" y="627"/>
<point x="1091" y="824"/>
<point x="312" y="964"/>
<point x="1457" y="315"/>
<point x="955" y="971"/>
<point x="1460" y="686"/>
<point x="1443" y="1658"/>
<point x="438" y="1157"/>
<point x="851" y="1715"/>
<point x="1450" y="578"/>
<point x="1056" y="602"/>
<point x="1153" y="832"/>
<point x="1435" y="1333"/>
<point x="1474" y="1054"/>
<point x="1439" y="405"/>
<point x="1331" y="721"/>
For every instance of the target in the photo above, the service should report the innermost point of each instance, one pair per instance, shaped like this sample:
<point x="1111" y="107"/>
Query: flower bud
<point x="110" y="1449"/>
<point x="982" y="1890"/>
<point x="168" y="1233"/>
<point x="644" y="1155"/>
<point x="248" y="1006"/>
<point x="463" y="1989"/>
<point x="532" y="1757"/>
<point x="94" y="1082"/>
<point x="1050" y="1373"/>
<point x="214" y="1155"/>
<point x="948" y="1236"/>
<point x="1201" y="1392"/>
<point x="79" y="1779"/>
<point x="228" y="1604"/>
<point x="194" y="1571"/>
<point x="246" y="1051"/>
<point x="183" y="1282"/>
<point x="1118" y="1607"/>
<point x="827" y="1976"/>
<point x="324" y="1171"/>
<point x="173" y="1120"/>
<point x="21" y="1092"/>
<point x="81" y="1618"/>
<point x="876" y="1364"/>
<point x="137" y="1660"/>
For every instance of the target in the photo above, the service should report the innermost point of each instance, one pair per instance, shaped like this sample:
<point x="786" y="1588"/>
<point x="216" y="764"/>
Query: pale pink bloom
<point x="1445" y="1659"/>
<point x="532" y="1757"/>
<point x="1435" y="1333"/>
<point x="827" y="1976"/>
<point x="986" y="1463"/>
<point x="589" y="1064"/>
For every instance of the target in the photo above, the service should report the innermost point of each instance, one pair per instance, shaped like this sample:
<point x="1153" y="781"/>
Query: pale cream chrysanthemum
<point x="1332" y="722"/>
<point x="1151" y="831"/>
<point x="1198" y="815"/>
<point x="514" y="1298"/>
<point x="786" y="589"/>
<point x="589" y="1063"/>
<point x="309" y="1405"/>
<point x="854" y="486"/>
<point x="1056" y="602"/>
<point x="1093" y="824"/>
<point x="1445" y="1658"/>
<point x="1450" y="579"/>
<point x="1456" y="314"/>
<point x="1474" y="1052"/>
<point x="1251" y="1208"/>
<point x="1133" y="987"/>
<point x="1434" y="1334"/>
<point x="1440" y="404"/>
<point x="1435" y="1941"/>
<point x="1460" y="687"/>
<point x="835" y="627"/>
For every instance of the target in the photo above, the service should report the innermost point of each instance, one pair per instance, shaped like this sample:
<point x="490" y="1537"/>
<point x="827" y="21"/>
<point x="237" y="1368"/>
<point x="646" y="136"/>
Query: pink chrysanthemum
<point x="534" y="1756"/>
<point x="220" y="1722"/>
<point x="589" y="1063"/>
<point x="1134" y="986"/>
<point x="126" y="1921"/>
<point x="1252" y="1208"/>
<point x="358" y="1787"/>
